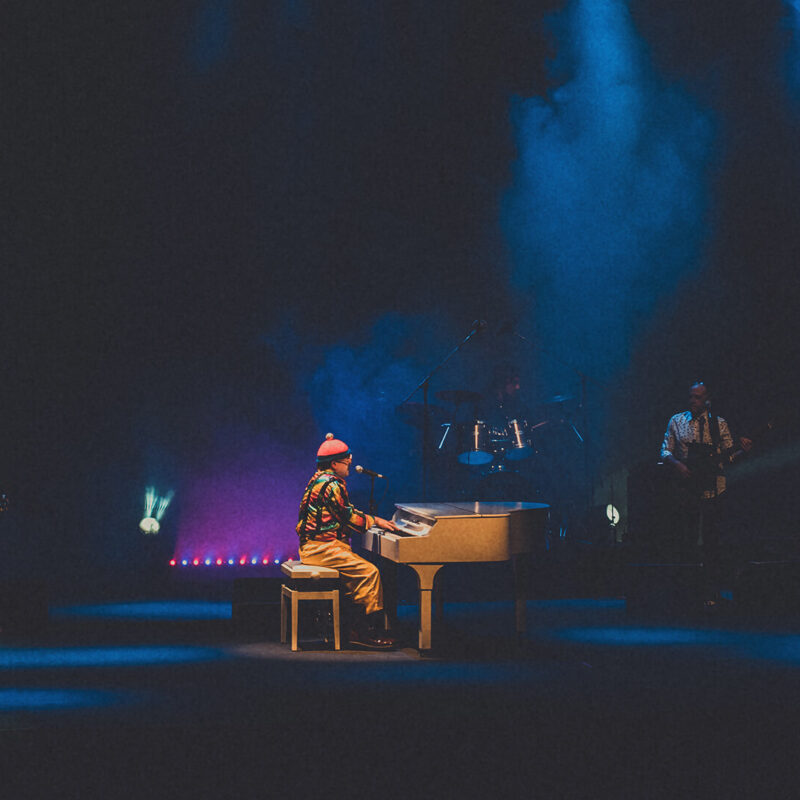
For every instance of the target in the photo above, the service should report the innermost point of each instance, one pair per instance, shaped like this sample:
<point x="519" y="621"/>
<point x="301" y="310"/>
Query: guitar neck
<point x="756" y="435"/>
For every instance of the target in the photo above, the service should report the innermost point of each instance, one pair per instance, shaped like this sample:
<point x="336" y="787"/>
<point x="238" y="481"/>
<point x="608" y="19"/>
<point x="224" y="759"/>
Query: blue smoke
<point x="352" y="386"/>
<point x="792" y="54"/>
<point x="355" y="391"/>
<point x="212" y="34"/>
<point x="608" y="207"/>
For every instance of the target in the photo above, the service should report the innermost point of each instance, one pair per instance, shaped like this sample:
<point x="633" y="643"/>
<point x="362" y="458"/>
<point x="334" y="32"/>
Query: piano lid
<point x="466" y="508"/>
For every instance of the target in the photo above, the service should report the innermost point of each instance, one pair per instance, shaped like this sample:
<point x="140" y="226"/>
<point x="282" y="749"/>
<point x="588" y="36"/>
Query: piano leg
<point x="425" y="577"/>
<point x="519" y="566"/>
<point x="389" y="580"/>
<point x="438" y="602"/>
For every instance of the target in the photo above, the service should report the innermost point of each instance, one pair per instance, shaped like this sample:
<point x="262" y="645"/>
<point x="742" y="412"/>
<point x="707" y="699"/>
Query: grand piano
<point x="431" y="535"/>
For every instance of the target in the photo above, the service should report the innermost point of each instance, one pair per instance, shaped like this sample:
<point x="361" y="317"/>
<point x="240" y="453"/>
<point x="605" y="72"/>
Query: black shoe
<point x="372" y="640"/>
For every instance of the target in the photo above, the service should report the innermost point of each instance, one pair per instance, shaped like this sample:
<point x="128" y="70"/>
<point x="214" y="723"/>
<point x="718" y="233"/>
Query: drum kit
<point x="490" y="442"/>
<point x="481" y="444"/>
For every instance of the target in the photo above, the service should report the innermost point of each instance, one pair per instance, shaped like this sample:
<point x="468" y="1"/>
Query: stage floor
<point x="167" y="697"/>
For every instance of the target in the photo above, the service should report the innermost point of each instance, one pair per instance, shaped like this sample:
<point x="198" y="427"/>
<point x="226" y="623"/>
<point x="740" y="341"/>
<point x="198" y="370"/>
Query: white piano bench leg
<point x="293" y="597"/>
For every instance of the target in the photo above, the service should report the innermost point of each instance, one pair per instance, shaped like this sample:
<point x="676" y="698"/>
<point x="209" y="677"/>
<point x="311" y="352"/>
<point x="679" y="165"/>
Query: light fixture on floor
<point x="154" y="508"/>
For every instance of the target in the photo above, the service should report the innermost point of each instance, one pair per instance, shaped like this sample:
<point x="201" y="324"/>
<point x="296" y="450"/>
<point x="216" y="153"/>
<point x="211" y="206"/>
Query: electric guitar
<point x="759" y="432"/>
<point x="705" y="463"/>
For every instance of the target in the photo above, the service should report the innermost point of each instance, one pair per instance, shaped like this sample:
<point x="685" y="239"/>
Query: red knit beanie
<point x="332" y="450"/>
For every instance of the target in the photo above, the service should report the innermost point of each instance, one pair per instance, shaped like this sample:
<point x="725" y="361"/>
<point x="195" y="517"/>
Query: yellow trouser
<point x="362" y="581"/>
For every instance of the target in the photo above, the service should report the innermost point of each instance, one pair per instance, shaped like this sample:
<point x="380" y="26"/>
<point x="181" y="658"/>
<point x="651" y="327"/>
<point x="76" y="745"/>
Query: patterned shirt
<point x="326" y="513"/>
<point x="683" y="428"/>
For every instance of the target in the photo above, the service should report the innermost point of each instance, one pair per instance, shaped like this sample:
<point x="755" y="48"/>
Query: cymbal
<point x="414" y="413"/>
<point x="558" y="399"/>
<point x="457" y="396"/>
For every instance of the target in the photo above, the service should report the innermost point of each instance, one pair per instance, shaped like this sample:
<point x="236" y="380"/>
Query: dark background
<point x="231" y="226"/>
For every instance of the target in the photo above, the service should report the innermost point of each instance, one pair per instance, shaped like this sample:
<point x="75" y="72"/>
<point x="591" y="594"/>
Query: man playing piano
<point x="326" y="519"/>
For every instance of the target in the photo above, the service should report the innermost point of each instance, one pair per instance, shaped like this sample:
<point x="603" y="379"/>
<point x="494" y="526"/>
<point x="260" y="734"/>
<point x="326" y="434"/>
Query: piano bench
<point x="307" y="582"/>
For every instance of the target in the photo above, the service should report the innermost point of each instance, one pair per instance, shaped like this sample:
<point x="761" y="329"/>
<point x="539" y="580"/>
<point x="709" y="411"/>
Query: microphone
<point x="369" y="472"/>
<point x="479" y="325"/>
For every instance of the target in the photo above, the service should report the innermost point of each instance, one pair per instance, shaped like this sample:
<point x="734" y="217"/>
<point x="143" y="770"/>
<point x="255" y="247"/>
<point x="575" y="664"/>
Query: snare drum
<point x="520" y="444"/>
<point x="476" y="443"/>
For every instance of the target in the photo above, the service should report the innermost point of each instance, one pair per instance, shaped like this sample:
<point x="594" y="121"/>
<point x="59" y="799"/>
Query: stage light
<point x="149" y="501"/>
<point x="601" y="524"/>
<point x="151" y="523"/>
<point x="163" y="502"/>
<point x="208" y="561"/>
<point x="150" y="526"/>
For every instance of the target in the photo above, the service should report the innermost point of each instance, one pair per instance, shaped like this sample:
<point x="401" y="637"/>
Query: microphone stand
<point x="424" y="384"/>
<point x="713" y="431"/>
<point x="373" y="508"/>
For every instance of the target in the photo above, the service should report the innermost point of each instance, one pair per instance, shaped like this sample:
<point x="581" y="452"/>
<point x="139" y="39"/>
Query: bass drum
<point x="475" y="443"/>
<point x="520" y="444"/>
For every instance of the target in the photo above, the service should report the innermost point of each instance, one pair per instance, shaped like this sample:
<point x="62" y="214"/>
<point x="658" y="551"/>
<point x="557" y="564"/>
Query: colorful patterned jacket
<point x="326" y="513"/>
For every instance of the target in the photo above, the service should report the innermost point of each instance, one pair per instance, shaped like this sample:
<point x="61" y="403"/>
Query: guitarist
<point x="697" y="444"/>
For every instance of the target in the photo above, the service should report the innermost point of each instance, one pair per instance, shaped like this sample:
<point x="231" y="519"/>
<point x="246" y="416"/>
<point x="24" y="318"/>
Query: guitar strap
<point x="713" y="424"/>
